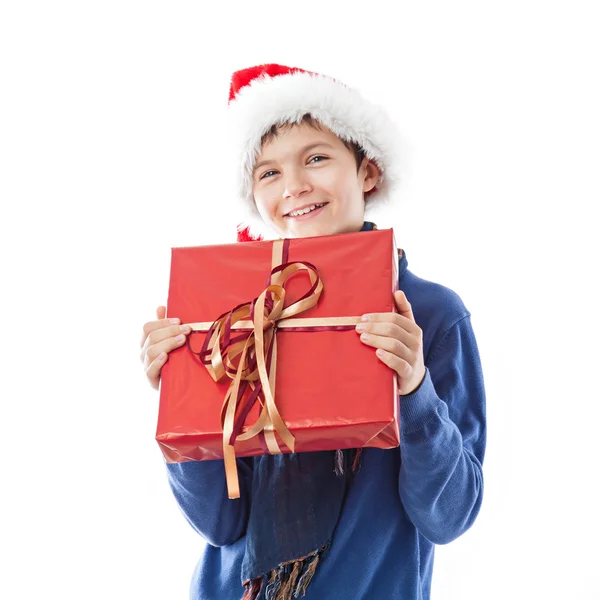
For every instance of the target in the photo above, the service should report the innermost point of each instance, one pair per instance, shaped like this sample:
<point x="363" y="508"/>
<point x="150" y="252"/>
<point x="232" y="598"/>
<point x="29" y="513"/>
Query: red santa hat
<point x="265" y="95"/>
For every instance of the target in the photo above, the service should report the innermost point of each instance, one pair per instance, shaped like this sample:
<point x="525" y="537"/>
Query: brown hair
<point x="308" y="119"/>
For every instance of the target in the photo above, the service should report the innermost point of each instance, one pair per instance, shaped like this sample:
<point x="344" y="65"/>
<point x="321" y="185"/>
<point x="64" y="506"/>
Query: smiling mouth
<point x="305" y="210"/>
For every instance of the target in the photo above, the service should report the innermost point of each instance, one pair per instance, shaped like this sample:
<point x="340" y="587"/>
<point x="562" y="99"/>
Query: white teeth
<point x="297" y="213"/>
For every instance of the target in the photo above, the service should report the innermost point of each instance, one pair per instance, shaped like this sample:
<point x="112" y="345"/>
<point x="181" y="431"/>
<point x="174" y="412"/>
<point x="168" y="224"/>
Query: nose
<point x="296" y="184"/>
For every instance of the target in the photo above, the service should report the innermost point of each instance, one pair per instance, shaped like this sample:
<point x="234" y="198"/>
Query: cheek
<point x="329" y="179"/>
<point x="339" y="183"/>
<point x="266" y="203"/>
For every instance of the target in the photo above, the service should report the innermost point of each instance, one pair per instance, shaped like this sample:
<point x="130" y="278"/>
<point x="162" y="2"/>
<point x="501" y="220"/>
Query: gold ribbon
<point x="260" y="339"/>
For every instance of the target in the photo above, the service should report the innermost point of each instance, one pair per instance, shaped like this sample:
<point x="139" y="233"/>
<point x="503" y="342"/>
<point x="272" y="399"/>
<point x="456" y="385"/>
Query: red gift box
<point x="310" y="368"/>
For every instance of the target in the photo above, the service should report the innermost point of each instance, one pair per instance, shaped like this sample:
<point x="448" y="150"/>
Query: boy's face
<point x="304" y="168"/>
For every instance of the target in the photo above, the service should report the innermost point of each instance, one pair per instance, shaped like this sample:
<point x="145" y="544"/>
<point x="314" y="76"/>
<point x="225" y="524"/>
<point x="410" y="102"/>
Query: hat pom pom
<point x="244" y="235"/>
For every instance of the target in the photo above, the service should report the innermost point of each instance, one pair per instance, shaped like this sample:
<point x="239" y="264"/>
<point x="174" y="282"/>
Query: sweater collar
<point x="368" y="226"/>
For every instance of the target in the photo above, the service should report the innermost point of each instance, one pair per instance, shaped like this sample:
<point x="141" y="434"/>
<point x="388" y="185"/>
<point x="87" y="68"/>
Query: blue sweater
<point x="402" y="502"/>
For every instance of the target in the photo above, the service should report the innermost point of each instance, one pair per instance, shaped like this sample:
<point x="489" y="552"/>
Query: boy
<point x="312" y="154"/>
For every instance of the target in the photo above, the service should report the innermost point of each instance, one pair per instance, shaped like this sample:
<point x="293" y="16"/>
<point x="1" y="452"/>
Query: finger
<point x="388" y="344"/>
<point x="392" y="330"/>
<point x="161" y="312"/>
<point x="154" y="368"/>
<point x="402" y="367"/>
<point x="152" y="326"/>
<point x="403" y="305"/>
<point x="164" y="340"/>
<point x="163" y="333"/>
<point x="391" y="317"/>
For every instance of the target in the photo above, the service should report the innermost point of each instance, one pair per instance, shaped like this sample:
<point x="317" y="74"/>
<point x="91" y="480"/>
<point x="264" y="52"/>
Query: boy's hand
<point x="158" y="339"/>
<point x="399" y="343"/>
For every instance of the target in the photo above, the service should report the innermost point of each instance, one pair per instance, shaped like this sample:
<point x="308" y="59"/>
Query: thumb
<point x="403" y="305"/>
<point x="161" y="312"/>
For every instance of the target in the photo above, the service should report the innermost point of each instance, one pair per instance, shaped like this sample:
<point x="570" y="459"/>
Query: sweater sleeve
<point x="442" y="439"/>
<point x="200" y="489"/>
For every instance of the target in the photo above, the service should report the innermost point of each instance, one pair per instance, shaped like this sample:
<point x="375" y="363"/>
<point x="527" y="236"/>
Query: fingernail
<point x="175" y="321"/>
<point x="162" y="356"/>
<point x="180" y="338"/>
<point x="185" y="328"/>
<point x="364" y="336"/>
<point x="365" y="318"/>
<point x="360" y="328"/>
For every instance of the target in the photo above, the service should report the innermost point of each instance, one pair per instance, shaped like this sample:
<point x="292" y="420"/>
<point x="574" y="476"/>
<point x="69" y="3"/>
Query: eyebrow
<point x="262" y="163"/>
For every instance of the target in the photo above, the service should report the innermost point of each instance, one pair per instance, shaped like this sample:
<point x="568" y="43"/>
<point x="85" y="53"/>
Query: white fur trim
<point x="286" y="99"/>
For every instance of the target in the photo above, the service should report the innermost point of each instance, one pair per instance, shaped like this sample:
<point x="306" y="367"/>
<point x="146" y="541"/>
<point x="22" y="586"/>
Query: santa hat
<point x="265" y="95"/>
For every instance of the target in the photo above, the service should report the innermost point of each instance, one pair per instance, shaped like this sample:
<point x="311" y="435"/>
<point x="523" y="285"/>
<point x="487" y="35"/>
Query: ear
<point x="371" y="174"/>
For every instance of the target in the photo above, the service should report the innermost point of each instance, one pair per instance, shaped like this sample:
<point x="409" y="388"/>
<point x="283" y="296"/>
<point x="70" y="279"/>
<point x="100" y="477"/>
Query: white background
<point x="111" y="153"/>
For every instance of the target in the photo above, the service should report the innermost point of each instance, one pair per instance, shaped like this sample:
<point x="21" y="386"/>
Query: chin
<point x="308" y="229"/>
<point x="312" y="230"/>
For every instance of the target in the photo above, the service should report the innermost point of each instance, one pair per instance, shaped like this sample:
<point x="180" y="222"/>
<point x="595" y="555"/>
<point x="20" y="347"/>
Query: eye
<point x="266" y="174"/>
<point x="318" y="156"/>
